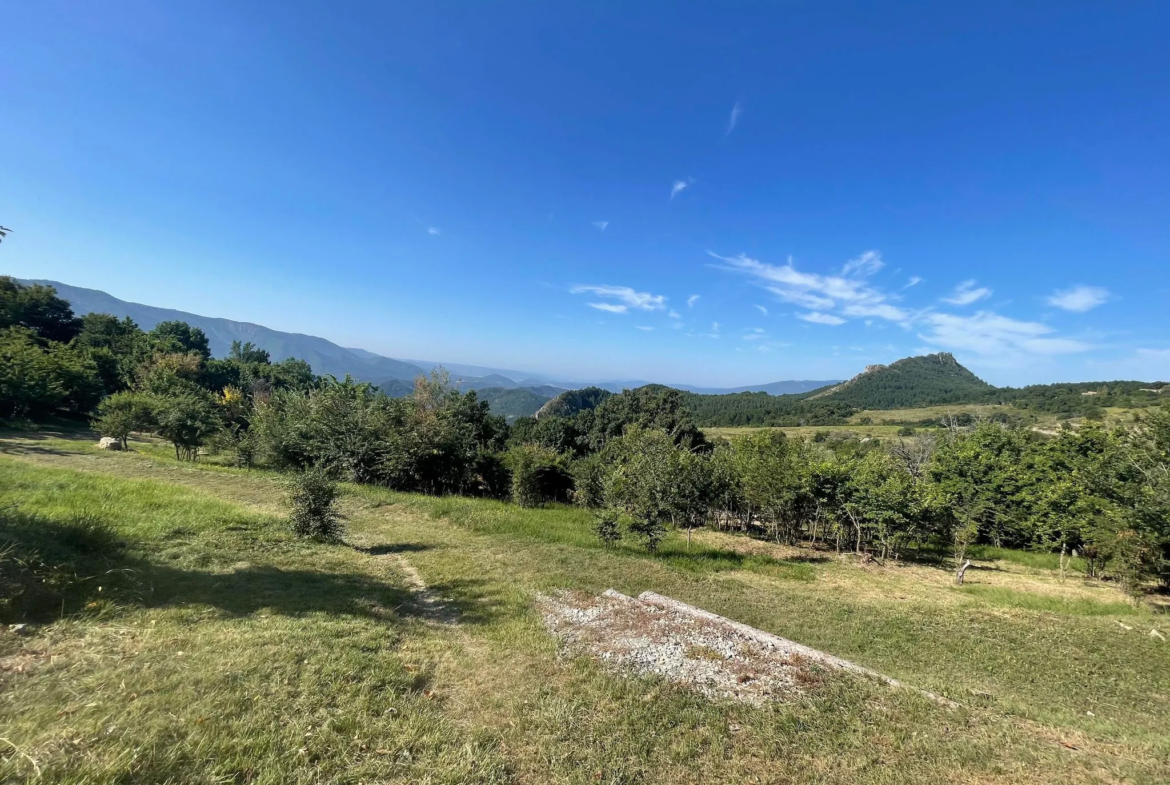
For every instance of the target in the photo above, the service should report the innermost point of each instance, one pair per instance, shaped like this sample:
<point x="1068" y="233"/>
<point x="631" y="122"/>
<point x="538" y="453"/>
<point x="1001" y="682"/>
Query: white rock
<point x="109" y="443"/>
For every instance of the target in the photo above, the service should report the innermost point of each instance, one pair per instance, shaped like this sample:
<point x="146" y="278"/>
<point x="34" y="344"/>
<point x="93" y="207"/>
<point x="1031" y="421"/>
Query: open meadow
<point x="187" y="636"/>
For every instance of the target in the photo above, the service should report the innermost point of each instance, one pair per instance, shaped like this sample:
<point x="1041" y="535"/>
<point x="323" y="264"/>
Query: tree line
<point x="636" y="459"/>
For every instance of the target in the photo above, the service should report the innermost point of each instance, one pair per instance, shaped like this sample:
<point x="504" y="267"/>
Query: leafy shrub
<point x="608" y="528"/>
<point x="122" y="413"/>
<point x="537" y="476"/>
<point x="313" y="496"/>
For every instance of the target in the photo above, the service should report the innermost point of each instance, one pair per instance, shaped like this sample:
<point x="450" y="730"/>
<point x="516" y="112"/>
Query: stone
<point x="109" y="443"/>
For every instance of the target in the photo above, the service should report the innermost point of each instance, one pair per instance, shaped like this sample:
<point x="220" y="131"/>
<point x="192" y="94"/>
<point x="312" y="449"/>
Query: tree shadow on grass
<point x="18" y="448"/>
<point x="396" y="547"/>
<point x="52" y="568"/>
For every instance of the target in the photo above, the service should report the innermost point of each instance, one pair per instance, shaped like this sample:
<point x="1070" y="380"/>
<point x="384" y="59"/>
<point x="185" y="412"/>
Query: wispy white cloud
<point x="626" y="298"/>
<point x="881" y="310"/>
<point x="754" y="334"/>
<point x="866" y="264"/>
<point x="967" y="293"/>
<point x="645" y="328"/>
<point x="1000" y="339"/>
<point x="1079" y="299"/>
<point x="852" y="296"/>
<point x="433" y="230"/>
<point x="601" y="224"/>
<point x="1155" y="354"/>
<point x="914" y="281"/>
<point x="734" y="119"/>
<point x="714" y="327"/>
<point x="680" y="186"/>
<point x="762" y="309"/>
<point x="817" y="317"/>
<point x="694" y="298"/>
<point x="674" y="314"/>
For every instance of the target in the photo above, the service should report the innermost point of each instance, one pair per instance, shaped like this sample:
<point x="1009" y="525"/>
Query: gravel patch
<point x="713" y="658"/>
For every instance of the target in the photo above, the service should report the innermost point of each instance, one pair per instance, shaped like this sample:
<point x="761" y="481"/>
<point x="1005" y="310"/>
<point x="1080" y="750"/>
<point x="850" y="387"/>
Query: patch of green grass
<point x="565" y="525"/>
<point x="1033" y="559"/>
<point x="1046" y="603"/>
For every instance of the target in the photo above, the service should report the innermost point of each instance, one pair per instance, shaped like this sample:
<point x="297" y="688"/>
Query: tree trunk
<point x="962" y="572"/>
<point x="1063" y="550"/>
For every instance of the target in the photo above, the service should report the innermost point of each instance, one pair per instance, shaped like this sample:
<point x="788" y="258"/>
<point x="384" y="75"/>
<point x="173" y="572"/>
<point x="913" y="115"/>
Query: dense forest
<point x="638" y="459"/>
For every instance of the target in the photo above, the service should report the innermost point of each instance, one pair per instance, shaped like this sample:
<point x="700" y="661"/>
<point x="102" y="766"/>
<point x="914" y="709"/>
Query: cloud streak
<point x="866" y="264"/>
<point x="680" y="186"/>
<point x="626" y="298"/>
<point x="967" y="293"/>
<point x="816" y="317"/>
<point x="1079" y="299"/>
<point x="601" y="225"/>
<point x="733" y="121"/>
<point x="996" y="338"/>
<point x="851" y="295"/>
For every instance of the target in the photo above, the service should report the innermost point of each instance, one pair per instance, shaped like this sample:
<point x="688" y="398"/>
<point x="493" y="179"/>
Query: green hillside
<point x="916" y="382"/>
<point x="513" y="403"/>
<point x="570" y="402"/>
<point x="928" y="380"/>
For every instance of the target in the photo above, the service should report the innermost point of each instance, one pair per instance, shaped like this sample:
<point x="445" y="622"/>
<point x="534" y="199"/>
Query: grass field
<point x="883" y="422"/>
<point x="197" y="641"/>
<point x="808" y="431"/>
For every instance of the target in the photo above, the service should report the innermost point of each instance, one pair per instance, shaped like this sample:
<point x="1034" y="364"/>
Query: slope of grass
<point x="228" y="651"/>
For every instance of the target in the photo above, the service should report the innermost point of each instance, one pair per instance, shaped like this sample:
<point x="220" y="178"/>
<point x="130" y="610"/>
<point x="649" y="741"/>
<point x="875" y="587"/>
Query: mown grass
<point x="1064" y="606"/>
<point x="565" y="525"/>
<point x="237" y="653"/>
<point x="1037" y="560"/>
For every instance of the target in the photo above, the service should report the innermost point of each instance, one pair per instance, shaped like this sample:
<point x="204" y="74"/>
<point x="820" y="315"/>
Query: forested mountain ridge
<point x="927" y="380"/>
<point x="513" y="402"/>
<point x="324" y="356"/>
<point x="394" y="376"/>
<point x="570" y="402"/>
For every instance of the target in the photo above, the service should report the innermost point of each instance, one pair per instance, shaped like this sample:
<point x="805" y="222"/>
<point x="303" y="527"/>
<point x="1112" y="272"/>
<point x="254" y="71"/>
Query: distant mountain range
<point x="394" y="376"/>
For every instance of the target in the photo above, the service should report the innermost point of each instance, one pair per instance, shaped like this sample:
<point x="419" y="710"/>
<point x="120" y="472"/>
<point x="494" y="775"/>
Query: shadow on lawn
<point x="397" y="547"/>
<point x="51" y="568"/>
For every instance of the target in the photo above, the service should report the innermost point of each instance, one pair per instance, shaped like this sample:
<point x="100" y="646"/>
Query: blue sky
<point x="706" y="193"/>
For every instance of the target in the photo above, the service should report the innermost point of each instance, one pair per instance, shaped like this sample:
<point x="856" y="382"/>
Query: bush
<point x="122" y="413"/>
<point x="608" y="528"/>
<point x="187" y="419"/>
<point x="313" y="496"/>
<point x="537" y="476"/>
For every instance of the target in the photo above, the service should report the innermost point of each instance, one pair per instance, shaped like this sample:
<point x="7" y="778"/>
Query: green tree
<point x="38" y="378"/>
<point x="123" y="412"/>
<point x="29" y="383"/>
<point x="175" y="337"/>
<point x="642" y="481"/>
<point x="38" y="308"/>
<point x="187" y="419"/>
